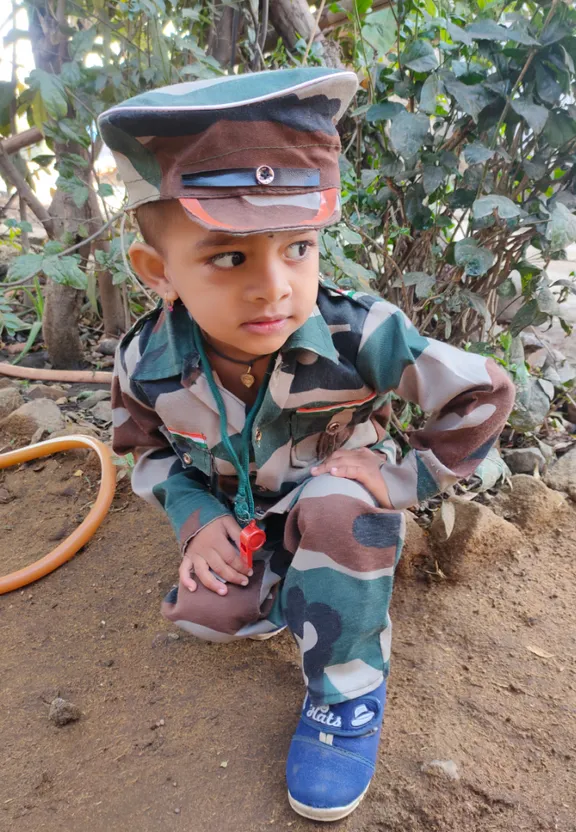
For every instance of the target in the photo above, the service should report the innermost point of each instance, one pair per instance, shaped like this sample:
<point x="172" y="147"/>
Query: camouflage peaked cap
<point x="242" y="153"/>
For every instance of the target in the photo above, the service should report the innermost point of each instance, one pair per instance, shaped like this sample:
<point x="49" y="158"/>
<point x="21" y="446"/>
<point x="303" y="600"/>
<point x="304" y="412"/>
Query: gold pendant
<point x="247" y="379"/>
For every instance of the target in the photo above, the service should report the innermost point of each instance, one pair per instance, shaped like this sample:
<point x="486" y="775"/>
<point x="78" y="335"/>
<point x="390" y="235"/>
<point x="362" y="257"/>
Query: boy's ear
<point x="149" y="266"/>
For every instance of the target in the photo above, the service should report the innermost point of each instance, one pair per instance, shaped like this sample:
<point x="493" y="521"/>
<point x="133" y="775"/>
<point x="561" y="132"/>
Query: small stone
<point x="161" y="639"/>
<point x="45" y="391"/>
<point x="41" y="414"/>
<point x="62" y="712"/>
<point x="439" y="768"/>
<point x="176" y="811"/>
<point x="95" y="398"/>
<point x="478" y="538"/>
<point x="102" y="412"/>
<point x="525" y="460"/>
<point x="562" y="475"/>
<point x="10" y="400"/>
<point x="107" y="346"/>
<point x="6" y="382"/>
<point x="528" y="503"/>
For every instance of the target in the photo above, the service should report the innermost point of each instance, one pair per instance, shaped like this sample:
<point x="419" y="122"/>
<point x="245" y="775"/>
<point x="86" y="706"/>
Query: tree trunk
<point x="62" y="304"/>
<point x="293" y="19"/>
<point x="110" y="295"/>
<point x="221" y="40"/>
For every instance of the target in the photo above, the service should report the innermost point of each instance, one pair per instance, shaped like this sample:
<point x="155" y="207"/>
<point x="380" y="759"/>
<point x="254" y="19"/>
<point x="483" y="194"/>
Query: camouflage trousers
<point x="326" y="572"/>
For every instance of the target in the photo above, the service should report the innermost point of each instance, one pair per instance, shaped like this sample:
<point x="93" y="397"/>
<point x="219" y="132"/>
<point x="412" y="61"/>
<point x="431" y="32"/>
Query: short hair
<point x="152" y="218"/>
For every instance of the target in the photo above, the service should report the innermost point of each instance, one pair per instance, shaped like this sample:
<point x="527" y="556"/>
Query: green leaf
<point x="27" y="265"/>
<point x="555" y="31"/>
<point x="32" y="335"/>
<point x="390" y="165"/>
<point x="419" y="56"/>
<point x="486" y="205"/>
<point x="527" y="315"/>
<point x="547" y="86"/>
<point x="458" y="34"/>
<point x="105" y="189"/>
<point x="407" y="132"/>
<point x="533" y="114"/>
<point x="561" y="230"/>
<point x="53" y="247"/>
<point x="384" y="110"/>
<point x="422" y="281"/>
<point x="471" y="98"/>
<point x="349" y="236"/>
<point x="431" y="89"/>
<point x="490" y="30"/>
<point x="477" y="153"/>
<point x="51" y="90"/>
<point x="432" y="178"/>
<point x="416" y="212"/>
<point x="475" y="259"/>
<point x="43" y="159"/>
<point x="559" y="129"/>
<point x="64" y="270"/>
<point x="379" y="30"/>
<point x="477" y="303"/>
<point x="507" y="289"/>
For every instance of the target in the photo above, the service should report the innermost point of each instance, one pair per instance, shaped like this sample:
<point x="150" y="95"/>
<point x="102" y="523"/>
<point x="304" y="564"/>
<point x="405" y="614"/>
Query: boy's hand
<point x="362" y="465"/>
<point x="213" y="548"/>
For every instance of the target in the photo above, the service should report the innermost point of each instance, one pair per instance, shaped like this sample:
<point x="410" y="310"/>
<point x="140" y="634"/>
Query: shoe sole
<point x="325" y="815"/>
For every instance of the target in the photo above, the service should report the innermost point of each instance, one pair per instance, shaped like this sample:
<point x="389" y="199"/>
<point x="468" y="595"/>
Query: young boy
<point x="256" y="398"/>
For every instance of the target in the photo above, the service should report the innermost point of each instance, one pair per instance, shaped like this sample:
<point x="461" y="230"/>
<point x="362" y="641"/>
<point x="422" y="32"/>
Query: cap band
<point x="251" y="177"/>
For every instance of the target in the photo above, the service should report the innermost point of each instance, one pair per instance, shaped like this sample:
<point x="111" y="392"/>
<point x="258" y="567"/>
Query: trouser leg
<point x="336" y="593"/>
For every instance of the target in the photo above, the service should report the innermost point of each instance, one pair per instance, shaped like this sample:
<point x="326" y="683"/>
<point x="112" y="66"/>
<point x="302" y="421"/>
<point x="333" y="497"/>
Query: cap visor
<point x="257" y="214"/>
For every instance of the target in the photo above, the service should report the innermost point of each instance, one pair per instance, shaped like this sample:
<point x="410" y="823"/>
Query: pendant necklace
<point x="247" y="377"/>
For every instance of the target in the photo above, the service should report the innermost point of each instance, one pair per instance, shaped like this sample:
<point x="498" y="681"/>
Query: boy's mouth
<point x="266" y="325"/>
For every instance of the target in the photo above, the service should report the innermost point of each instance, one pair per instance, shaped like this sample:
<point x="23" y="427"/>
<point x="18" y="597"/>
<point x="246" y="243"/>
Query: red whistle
<point x="251" y="539"/>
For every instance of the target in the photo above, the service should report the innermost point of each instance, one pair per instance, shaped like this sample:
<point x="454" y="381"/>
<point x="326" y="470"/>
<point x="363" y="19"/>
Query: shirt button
<point x="258" y="435"/>
<point x="187" y="459"/>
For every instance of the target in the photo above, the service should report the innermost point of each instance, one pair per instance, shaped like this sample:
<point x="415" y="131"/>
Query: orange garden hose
<point x="82" y="534"/>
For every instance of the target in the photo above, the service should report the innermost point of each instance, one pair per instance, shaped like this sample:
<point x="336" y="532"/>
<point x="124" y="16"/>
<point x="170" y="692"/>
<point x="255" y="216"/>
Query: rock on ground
<point x="525" y="460"/>
<point x="102" y="412"/>
<point x="415" y="550"/>
<point x="95" y="398"/>
<point x="446" y="768"/>
<point x="72" y="430"/>
<point x="107" y="346"/>
<point x="562" y="475"/>
<point x="528" y="503"/>
<point x="10" y="400"/>
<point x="32" y="417"/>
<point x="478" y="538"/>
<point x="62" y="712"/>
<point x="45" y="391"/>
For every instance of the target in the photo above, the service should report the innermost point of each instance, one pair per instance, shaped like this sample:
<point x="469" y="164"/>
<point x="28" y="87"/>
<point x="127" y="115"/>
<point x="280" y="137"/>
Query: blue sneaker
<point x="333" y="754"/>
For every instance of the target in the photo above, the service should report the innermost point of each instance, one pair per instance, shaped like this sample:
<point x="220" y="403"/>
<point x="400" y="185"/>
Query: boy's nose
<point x="271" y="285"/>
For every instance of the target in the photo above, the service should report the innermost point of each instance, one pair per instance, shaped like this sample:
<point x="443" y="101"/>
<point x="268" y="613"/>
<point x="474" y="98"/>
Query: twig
<point x="15" y="178"/>
<point x="315" y="30"/>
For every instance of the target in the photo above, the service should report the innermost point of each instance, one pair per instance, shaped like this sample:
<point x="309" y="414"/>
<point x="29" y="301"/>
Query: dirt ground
<point x="177" y="734"/>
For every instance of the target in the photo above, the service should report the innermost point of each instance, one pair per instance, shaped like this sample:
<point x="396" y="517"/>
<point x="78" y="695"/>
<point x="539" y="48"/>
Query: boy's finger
<point x="184" y="575"/>
<point x="232" y="529"/>
<point x="224" y="570"/>
<point x="204" y="575"/>
<point x="230" y="554"/>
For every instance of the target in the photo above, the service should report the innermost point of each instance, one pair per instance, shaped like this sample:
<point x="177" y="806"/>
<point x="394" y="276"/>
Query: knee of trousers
<point x="216" y="617"/>
<point x="340" y="518"/>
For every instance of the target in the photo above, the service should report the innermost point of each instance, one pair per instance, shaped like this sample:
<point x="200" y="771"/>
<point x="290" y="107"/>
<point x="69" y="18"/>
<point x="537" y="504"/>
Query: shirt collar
<point x="171" y="349"/>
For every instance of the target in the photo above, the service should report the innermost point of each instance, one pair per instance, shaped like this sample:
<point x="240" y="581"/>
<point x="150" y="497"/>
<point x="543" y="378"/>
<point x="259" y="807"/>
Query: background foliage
<point x="459" y="152"/>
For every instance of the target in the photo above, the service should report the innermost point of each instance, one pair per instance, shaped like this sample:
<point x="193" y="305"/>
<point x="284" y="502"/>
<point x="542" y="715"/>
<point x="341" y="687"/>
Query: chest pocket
<point x="192" y="450"/>
<point x="318" y="432"/>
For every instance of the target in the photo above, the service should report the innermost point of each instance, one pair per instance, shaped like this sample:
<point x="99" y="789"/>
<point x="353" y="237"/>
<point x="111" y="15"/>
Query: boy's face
<point x="249" y="294"/>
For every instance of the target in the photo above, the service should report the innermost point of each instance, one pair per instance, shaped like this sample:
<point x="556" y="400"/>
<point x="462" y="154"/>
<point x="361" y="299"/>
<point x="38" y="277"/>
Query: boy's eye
<point x="228" y="260"/>
<point x="299" y="250"/>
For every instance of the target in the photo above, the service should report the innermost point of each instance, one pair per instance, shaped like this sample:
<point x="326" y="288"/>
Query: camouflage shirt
<point x="330" y="387"/>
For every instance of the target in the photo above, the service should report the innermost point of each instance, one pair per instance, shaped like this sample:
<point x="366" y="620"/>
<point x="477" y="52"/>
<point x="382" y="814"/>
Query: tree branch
<point x="21" y="140"/>
<point x="13" y="177"/>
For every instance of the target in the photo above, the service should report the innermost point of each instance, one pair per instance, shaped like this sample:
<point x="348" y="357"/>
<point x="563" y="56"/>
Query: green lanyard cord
<point x="244" y="501"/>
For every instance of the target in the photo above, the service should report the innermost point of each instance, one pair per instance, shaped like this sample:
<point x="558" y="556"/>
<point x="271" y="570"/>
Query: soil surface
<point x="178" y="734"/>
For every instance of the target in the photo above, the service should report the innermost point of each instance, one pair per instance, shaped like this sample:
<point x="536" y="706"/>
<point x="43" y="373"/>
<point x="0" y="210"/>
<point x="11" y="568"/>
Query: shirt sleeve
<point x="158" y="475"/>
<point x="467" y="398"/>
